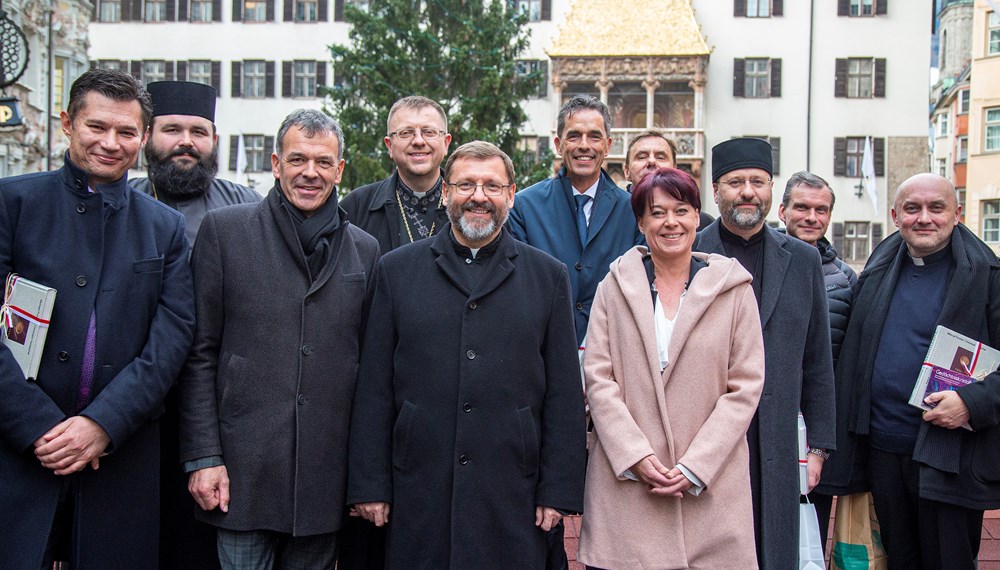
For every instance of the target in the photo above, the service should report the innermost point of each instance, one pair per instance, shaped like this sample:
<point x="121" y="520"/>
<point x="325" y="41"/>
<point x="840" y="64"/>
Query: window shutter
<point x="878" y="145"/>
<point x="323" y="10"/>
<point x="268" y="79"/>
<point x="838" y="236"/>
<point x="286" y="79"/>
<point x="217" y="77"/>
<point x="181" y="68"/>
<point x="93" y="64"/>
<point x="234" y="149"/>
<point x="775" y="155"/>
<point x="881" y="7"/>
<point x="268" y="149"/>
<point x="546" y="10"/>
<point x="237" y="10"/>
<point x="217" y="10"/>
<point x="879" y="90"/>
<point x="543" y="146"/>
<point x="338" y="10"/>
<point x="840" y="156"/>
<point x="168" y="70"/>
<point x="876" y="234"/>
<point x="777" y="8"/>
<point x="136" y="10"/>
<point x="270" y="10"/>
<point x="236" y="79"/>
<point x="843" y="7"/>
<point x="840" y="79"/>
<point x="182" y="10"/>
<point x="171" y="6"/>
<point x="739" y="8"/>
<point x="776" y="77"/>
<point x="135" y="68"/>
<point x="289" y="10"/>
<point x="320" y="77"/>
<point x="739" y="77"/>
<point x="93" y="18"/>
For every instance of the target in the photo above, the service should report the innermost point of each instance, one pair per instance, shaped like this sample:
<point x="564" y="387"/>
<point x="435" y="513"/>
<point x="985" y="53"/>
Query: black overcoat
<point x="122" y="255"/>
<point x="469" y="407"/>
<point x="270" y="378"/>
<point x="375" y="209"/>
<point x="798" y="375"/>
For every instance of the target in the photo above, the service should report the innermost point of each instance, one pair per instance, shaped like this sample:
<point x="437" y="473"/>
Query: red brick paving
<point x="989" y="549"/>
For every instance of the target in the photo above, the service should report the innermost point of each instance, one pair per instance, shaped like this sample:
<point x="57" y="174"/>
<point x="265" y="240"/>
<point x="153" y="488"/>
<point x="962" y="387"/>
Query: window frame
<point x="149" y="77"/>
<point x="113" y="6"/>
<point x="987" y="126"/>
<point x="757" y="80"/>
<point x="859" y="5"/>
<point x="756" y="7"/>
<point x="962" y="148"/>
<point x="154" y="11"/>
<point x="191" y="75"/>
<point x="858" y="77"/>
<point x="991" y="218"/>
<point x="259" y="10"/>
<point x="301" y="77"/>
<point x="857" y="245"/>
<point x="992" y="41"/>
<point x="257" y="155"/>
<point x="246" y="78"/>
<point x="197" y="6"/>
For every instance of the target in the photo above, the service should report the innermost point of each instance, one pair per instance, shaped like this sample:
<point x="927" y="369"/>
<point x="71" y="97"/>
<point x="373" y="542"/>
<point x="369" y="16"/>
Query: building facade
<point x="982" y="195"/>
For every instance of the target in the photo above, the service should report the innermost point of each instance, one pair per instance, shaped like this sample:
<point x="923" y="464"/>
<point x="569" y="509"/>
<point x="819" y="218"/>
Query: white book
<point x="25" y="317"/>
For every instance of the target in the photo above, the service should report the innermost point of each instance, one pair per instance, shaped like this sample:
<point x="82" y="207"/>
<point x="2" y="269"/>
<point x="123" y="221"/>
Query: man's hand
<point x="546" y="517"/>
<point x="950" y="412"/>
<point x="71" y="445"/>
<point x="377" y="513"/>
<point x="210" y="488"/>
<point x="650" y="471"/>
<point x="676" y="485"/>
<point x="814" y="468"/>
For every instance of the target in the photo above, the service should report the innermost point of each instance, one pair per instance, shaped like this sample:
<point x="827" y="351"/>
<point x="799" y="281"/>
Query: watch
<point x="822" y="453"/>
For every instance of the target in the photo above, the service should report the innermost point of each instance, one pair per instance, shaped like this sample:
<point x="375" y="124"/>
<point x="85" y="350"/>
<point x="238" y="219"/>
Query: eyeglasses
<point x="469" y="188"/>
<point x="427" y="133"/>
<point x="739" y="183"/>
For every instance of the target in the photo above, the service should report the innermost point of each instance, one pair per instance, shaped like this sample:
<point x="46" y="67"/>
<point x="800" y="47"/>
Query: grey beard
<point x="476" y="232"/>
<point x="181" y="183"/>
<point x="745" y="220"/>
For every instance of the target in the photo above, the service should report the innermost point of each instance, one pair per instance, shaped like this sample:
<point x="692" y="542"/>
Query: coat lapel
<point x="500" y="267"/>
<point x="776" y="259"/>
<point x="602" y="208"/>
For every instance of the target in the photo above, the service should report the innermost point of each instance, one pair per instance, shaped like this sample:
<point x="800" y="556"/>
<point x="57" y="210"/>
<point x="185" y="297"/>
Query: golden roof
<point x="612" y="28"/>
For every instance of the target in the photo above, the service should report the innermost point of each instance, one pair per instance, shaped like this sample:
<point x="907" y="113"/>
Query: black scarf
<point x="315" y="232"/>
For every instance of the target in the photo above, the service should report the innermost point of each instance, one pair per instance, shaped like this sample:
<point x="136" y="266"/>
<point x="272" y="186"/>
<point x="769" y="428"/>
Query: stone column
<point x="651" y="86"/>
<point x="604" y="85"/>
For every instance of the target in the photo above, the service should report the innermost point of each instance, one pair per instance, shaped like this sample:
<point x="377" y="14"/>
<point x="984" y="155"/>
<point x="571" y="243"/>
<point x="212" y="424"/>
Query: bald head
<point x="926" y="212"/>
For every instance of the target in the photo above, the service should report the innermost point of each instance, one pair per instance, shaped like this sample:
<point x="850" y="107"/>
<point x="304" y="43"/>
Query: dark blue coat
<point x="123" y="255"/>
<point x="544" y="216"/>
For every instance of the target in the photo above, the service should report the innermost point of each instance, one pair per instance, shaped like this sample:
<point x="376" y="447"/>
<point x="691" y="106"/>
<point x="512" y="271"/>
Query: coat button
<point x="306" y="349"/>
<point x="81" y="281"/>
<point x="463" y="459"/>
<point x="467" y="407"/>
<point x="80" y="208"/>
<point x="579" y="266"/>
<point x="579" y="306"/>
<point x="301" y="399"/>
<point x="468" y="261"/>
<point x="63" y="356"/>
<point x="79" y="185"/>
<point x="473" y="305"/>
<point x="470" y="354"/>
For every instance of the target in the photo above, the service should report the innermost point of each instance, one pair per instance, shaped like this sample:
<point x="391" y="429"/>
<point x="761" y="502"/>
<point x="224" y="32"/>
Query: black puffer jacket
<point x="840" y="282"/>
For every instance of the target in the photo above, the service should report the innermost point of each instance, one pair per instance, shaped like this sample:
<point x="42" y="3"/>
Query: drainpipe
<point x="809" y="87"/>
<point x="48" y="105"/>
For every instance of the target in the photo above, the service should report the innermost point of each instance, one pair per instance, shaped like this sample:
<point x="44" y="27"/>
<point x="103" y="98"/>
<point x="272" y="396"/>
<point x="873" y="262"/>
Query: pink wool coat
<point x="696" y="413"/>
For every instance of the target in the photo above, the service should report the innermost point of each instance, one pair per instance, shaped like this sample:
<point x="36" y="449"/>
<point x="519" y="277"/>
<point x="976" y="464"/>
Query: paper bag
<point x="857" y="538"/>
<point x="810" y="546"/>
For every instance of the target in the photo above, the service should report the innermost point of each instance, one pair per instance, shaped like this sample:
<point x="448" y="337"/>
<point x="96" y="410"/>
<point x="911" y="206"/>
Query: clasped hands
<point x="71" y="445"/>
<point x="661" y="480"/>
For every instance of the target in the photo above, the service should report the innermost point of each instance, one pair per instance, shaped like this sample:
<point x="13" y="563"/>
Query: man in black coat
<point x="121" y="328"/>
<point x="406" y="206"/>
<point x="467" y="435"/>
<point x="281" y="290"/>
<point x="930" y="479"/>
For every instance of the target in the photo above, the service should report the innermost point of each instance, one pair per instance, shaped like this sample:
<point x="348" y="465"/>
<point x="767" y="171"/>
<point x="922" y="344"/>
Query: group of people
<point x="393" y="379"/>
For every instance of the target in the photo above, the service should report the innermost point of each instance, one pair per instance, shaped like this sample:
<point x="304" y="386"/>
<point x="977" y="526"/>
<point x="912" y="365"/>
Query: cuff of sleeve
<point x="697" y="486"/>
<point x="203" y="463"/>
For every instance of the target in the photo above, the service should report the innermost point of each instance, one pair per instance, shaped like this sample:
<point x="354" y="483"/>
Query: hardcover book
<point x="953" y="360"/>
<point x="25" y="317"/>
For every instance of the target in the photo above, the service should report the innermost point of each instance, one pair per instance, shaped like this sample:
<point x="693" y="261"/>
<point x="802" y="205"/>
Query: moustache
<point x="185" y="152"/>
<point x="488" y="206"/>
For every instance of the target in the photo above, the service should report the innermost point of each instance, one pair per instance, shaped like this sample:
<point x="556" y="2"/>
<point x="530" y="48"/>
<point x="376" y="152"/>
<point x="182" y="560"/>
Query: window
<point x="942" y="124"/>
<point x="257" y="154"/>
<point x="156" y="10"/>
<point x="942" y="167"/>
<point x="201" y="10"/>
<point x="304" y="79"/>
<point x="254" y="11"/>
<point x="60" y="67"/>
<point x="964" y="97"/>
<point x="993" y="129"/>
<point x="536" y="68"/>
<point x="962" y="149"/>
<point x="111" y="11"/>
<point x="994" y="34"/>
<point x="862" y="8"/>
<point x="537" y="10"/>
<point x="991" y="221"/>
<point x="849" y="152"/>
<point x="758" y="8"/>
<point x="306" y="10"/>
<point x="859" y="77"/>
<point x="856" y="246"/>
<point x="153" y="71"/>
<point x="775" y="143"/>
<point x="254" y="79"/>
<point x="200" y="72"/>
<point x="757" y="78"/>
<point x="112" y="64"/>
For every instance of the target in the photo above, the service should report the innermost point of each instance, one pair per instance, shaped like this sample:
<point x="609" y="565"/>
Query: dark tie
<point x="581" y="217"/>
<point x="87" y="370"/>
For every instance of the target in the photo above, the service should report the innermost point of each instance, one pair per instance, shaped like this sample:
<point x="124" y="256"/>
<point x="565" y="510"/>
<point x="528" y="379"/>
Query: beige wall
<point x="984" y="168"/>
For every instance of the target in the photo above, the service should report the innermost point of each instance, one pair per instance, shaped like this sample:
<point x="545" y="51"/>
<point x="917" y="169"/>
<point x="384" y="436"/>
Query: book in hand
<point x="25" y="315"/>
<point x="953" y="360"/>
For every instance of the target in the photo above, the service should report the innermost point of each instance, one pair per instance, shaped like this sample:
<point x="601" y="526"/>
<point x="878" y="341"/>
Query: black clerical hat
<point x="735" y="154"/>
<point x="183" y="98"/>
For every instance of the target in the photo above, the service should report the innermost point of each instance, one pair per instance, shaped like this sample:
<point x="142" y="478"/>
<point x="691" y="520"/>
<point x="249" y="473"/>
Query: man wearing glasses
<point x="791" y="295"/>
<point x="467" y="432"/>
<point x="406" y="206"/>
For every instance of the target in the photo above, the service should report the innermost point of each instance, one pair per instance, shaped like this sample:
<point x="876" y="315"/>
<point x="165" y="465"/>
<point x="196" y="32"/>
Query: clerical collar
<point x="944" y="253"/>
<point x="730" y="237"/>
<point x="481" y="254"/>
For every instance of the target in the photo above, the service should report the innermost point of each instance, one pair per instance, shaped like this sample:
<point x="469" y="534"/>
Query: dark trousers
<point x="59" y="545"/>
<point x="916" y="532"/>
<point x="555" y="557"/>
<point x="362" y="545"/>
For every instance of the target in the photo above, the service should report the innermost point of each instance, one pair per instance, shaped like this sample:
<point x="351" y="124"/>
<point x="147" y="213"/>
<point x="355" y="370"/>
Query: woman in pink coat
<point x="674" y="368"/>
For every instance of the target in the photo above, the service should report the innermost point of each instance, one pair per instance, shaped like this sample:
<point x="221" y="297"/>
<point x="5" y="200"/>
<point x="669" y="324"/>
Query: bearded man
<point x="182" y="154"/>
<point x="484" y="391"/>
